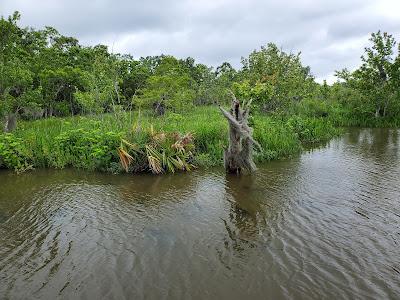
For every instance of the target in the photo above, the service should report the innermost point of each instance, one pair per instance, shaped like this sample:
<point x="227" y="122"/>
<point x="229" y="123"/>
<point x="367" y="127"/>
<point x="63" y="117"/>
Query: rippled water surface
<point x="322" y="225"/>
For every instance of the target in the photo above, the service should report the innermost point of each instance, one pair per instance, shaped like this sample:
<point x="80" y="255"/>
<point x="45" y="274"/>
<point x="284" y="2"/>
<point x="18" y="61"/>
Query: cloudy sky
<point x="330" y="34"/>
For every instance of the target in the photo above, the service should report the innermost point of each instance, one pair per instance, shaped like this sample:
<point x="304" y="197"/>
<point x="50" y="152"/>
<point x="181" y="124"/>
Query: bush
<point x="314" y="108"/>
<point x="86" y="149"/>
<point x="92" y="142"/>
<point x="312" y="130"/>
<point x="276" y="139"/>
<point x="13" y="153"/>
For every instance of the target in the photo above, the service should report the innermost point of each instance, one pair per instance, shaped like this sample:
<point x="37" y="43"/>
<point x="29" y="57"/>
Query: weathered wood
<point x="239" y="154"/>
<point x="10" y="122"/>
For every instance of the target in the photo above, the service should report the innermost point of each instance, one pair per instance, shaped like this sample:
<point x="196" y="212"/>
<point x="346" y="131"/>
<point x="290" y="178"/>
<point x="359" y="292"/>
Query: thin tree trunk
<point x="385" y="107"/>
<point x="10" y="122"/>
<point x="116" y="91"/>
<point x="377" y="112"/>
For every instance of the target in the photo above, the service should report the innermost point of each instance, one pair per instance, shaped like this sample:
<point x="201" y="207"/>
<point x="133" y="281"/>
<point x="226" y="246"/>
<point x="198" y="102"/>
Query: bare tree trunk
<point x="239" y="154"/>
<point x="10" y="122"/>
<point x="385" y="107"/>
<point x="71" y="105"/>
<point x="116" y="91"/>
<point x="377" y="112"/>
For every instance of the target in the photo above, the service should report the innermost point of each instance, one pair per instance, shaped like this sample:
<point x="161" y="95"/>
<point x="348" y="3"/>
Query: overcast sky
<point x="330" y="34"/>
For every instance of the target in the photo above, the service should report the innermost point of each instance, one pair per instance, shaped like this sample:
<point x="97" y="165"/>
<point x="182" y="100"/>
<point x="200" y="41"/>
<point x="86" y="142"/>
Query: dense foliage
<point x="153" y="144"/>
<point x="377" y="80"/>
<point x="44" y="75"/>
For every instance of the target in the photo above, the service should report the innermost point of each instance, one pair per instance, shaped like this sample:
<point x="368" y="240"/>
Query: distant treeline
<point x="43" y="74"/>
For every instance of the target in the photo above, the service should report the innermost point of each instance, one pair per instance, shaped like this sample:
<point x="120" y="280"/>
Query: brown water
<point x="325" y="225"/>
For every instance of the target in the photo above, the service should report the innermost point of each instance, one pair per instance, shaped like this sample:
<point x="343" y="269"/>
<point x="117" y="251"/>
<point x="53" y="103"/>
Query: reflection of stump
<point x="239" y="154"/>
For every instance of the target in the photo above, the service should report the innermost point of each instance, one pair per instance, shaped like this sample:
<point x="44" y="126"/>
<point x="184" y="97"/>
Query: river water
<point x="323" y="225"/>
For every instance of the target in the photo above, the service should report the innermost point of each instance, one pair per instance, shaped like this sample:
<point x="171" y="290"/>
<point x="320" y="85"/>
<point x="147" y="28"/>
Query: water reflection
<point x="377" y="143"/>
<point x="246" y="217"/>
<point x="322" y="225"/>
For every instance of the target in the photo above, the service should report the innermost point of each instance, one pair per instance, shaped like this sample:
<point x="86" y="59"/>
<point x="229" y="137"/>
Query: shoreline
<point x="92" y="142"/>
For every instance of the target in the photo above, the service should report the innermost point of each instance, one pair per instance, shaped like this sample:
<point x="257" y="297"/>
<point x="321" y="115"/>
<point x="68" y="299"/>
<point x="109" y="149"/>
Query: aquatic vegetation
<point x="312" y="130"/>
<point x="14" y="153"/>
<point x="110" y="99"/>
<point x="164" y="152"/>
<point x="125" y="158"/>
<point x="87" y="149"/>
<point x="170" y="152"/>
<point x="142" y="142"/>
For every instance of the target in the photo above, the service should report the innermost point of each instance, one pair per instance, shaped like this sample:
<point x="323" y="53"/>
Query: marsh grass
<point x="92" y="142"/>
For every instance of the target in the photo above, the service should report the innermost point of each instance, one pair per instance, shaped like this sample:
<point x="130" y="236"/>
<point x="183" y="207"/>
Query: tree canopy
<point x="44" y="73"/>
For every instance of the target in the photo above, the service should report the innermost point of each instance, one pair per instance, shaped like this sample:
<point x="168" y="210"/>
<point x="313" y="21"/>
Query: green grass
<point x="91" y="142"/>
<point x="347" y="118"/>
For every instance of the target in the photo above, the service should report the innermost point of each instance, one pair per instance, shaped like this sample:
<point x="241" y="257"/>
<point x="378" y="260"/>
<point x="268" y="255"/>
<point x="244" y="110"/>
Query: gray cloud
<point x="330" y="34"/>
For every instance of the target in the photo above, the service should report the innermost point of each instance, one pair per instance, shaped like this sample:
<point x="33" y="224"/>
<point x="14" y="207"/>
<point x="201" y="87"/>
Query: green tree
<point x="274" y="79"/>
<point x="170" y="86"/>
<point x="102" y="81"/>
<point x="134" y="74"/>
<point x="378" y="77"/>
<point x="16" y="78"/>
<point x="59" y="86"/>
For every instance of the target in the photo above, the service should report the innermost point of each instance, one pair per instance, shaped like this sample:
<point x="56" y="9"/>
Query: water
<point x="325" y="225"/>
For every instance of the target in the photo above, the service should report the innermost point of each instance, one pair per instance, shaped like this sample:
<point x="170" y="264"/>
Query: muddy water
<point x="322" y="225"/>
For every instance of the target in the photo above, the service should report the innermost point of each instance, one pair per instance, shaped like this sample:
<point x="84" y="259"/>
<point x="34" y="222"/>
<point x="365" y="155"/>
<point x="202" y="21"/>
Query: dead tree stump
<point x="239" y="154"/>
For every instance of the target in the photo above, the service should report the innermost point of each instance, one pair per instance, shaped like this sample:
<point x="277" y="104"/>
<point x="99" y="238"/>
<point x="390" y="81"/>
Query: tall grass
<point x="91" y="142"/>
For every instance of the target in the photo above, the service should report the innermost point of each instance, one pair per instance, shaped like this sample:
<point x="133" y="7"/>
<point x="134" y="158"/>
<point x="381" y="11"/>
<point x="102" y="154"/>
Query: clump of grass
<point x="276" y="139"/>
<point x="163" y="152"/>
<point x="312" y="130"/>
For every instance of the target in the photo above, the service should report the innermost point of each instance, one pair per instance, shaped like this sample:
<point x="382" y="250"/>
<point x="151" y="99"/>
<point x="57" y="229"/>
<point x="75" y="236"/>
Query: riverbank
<point x="97" y="142"/>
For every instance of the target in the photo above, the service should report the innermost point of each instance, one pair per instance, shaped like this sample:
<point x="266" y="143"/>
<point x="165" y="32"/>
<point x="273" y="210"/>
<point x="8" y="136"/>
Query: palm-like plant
<point x="170" y="152"/>
<point x="123" y="152"/>
<point x="164" y="152"/>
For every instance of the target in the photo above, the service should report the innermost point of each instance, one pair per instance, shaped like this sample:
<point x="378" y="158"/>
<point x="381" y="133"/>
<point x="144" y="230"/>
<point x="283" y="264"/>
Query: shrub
<point x="276" y="139"/>
<point x="86" y="149"/>
<point x="13" y="153"/>
<point x="312" y="130"/>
